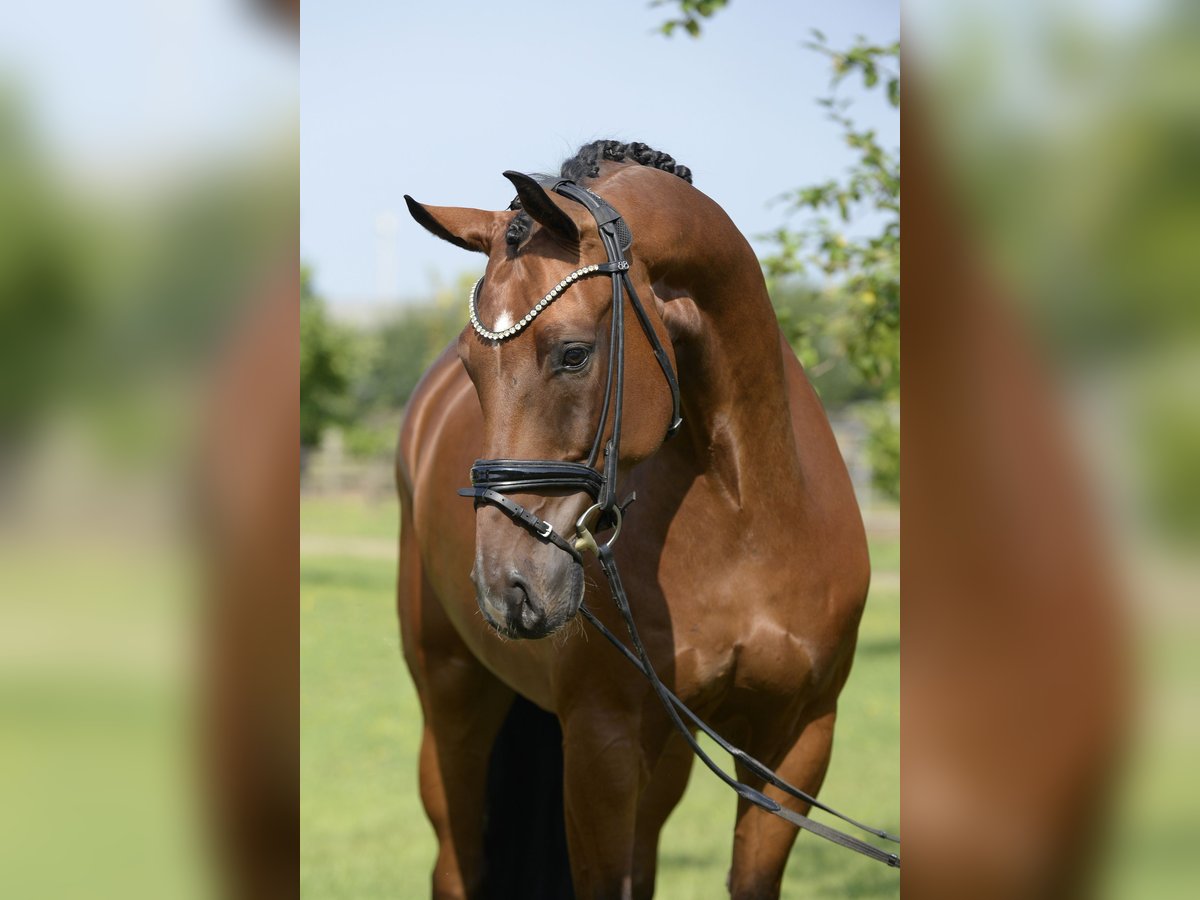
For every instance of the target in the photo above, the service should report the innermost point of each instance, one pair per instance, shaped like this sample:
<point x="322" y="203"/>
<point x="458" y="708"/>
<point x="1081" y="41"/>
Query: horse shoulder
<point x="830" y="524"/>
<point x="806" y="559"/>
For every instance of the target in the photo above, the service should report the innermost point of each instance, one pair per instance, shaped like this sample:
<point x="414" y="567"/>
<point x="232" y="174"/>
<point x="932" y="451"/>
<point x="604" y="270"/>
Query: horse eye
<point x="574" y="357"/>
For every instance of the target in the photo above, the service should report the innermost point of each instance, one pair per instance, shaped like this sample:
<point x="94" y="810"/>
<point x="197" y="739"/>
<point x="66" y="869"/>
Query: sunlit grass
<point x="344" y="516"/>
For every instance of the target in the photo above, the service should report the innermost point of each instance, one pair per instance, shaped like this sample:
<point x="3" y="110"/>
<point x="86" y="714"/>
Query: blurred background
<point x="148" y="215"/>
<point x="1062" y="203"/>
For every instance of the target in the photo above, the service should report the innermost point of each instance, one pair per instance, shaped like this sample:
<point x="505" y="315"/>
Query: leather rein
<point x="491" y="479"/>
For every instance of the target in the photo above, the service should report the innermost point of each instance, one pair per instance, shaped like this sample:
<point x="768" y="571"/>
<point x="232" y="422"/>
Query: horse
<point x="745" y="555"/>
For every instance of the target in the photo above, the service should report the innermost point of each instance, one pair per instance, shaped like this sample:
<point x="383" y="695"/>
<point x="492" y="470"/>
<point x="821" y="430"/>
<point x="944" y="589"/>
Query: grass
<point x="363" y="831"/>
<point x="1158" y="813"/>
<point x="349" y="516"/>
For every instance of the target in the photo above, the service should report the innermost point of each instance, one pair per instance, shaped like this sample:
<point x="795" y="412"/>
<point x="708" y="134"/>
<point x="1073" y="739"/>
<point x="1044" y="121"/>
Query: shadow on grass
<point x="836" y="872"/>
<point x="683" y="859"/>
<point x="889" y="646"/>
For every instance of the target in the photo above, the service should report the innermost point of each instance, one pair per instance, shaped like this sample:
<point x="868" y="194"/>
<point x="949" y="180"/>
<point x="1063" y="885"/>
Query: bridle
<point x="491" y="479"/>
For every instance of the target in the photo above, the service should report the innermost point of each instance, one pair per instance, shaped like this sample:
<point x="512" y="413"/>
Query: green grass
<point x="363" y="831"/>
<point x="1158" y="813"/>
<point x="349" y="516"/>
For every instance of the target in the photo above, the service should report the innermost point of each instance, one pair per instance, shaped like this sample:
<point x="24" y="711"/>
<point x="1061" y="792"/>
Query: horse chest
<point x="734" y="625"/>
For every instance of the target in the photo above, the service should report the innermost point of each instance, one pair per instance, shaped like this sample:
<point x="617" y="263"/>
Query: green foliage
<point x="859" y="318"/>
<point x="810" y="317"/>
<point x="109" y="303"/>
<point x="862" y="272"/>
<point x="1167" y="445"/>
<point x="371" y="438"/>
<point x="324" y="363"/>
<point x="358" y="377"/>
<point x="883" y="447"/>
<point x="44" y="321"/>
<point x="693" y="11"/>
<point x="401" y="347"/>
<point x="388" y="359"/>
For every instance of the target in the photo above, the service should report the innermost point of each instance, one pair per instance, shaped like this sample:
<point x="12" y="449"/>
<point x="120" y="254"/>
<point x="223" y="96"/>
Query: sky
<point x="436" y="99"/>
<point x="120" y="90"/>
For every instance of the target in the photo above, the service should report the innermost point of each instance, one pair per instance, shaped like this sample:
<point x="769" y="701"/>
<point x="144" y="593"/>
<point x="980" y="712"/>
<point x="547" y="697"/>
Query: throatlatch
<point x="491" y="479"/>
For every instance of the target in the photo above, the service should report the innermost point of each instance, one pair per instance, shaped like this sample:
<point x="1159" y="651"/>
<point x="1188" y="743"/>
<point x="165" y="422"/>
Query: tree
<point x="404" y="343"/>
<point x="863" y="272"/>
<point x="323" y="366"/>
<point x="693" y="11"/>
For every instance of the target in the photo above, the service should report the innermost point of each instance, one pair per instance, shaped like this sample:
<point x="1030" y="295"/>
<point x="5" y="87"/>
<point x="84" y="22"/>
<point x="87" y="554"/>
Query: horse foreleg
<point x="604" y="770"/>
<point x="657" y="800"/>
<point x="463" y="706"/>
<point x="761" y="841"/>
<point x="464" y="709"/>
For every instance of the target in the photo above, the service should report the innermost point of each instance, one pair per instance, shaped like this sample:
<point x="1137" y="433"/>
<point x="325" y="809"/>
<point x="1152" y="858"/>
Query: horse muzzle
<point x="530" y="593"/>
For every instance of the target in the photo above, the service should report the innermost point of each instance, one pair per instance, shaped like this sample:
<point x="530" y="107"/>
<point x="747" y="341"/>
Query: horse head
<point x="546" y="362"/>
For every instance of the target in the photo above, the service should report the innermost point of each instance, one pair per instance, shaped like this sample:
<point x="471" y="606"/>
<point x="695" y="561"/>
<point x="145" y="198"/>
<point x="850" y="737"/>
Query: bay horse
<point x="745" y="555"/>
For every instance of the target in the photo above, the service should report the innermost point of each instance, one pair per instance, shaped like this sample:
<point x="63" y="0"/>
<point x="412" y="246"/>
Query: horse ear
<point x="541" y="208"/>
<point x="471" y="229"/>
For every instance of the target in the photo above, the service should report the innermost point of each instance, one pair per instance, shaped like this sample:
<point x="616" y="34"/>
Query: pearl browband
<point x="553" y="295"/>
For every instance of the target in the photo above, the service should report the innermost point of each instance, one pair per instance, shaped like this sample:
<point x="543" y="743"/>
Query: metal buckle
<point x="584" y="539"/>
<point x="545" y="533"/>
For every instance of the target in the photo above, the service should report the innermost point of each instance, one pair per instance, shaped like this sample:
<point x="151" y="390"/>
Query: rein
<point x="491" y="479"/>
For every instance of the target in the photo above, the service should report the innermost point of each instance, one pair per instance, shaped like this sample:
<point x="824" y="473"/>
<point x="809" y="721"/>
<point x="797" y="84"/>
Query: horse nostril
<point x="520" y="602"/>
<point x="518" y="589"/>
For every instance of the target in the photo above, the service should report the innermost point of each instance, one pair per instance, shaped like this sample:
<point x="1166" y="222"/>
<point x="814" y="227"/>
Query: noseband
<point x="491" y="479"/>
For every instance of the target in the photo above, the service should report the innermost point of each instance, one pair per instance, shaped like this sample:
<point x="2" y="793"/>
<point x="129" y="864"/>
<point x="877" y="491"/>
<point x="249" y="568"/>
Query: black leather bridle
<point x="491" y="479"/>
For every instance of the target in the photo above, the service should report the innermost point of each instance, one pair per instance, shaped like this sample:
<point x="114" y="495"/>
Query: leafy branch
<point x="693" y="11"/>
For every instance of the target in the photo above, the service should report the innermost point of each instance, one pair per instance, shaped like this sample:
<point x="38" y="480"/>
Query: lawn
<point x="363" y="832"/>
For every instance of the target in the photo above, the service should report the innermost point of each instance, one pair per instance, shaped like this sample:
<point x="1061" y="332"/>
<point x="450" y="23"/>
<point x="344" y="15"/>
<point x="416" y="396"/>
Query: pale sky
<point x="436" y="99"/>
<point x="144" y="87"/>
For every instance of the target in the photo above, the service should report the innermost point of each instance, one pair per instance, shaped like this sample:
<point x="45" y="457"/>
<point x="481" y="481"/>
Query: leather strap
<point x="541" y="529"/>
<point x="530" y="475"/>
<point x="660" y="354"/>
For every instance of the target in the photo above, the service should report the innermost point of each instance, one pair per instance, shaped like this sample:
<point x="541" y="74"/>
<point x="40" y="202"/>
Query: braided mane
<point x="585" y="165"/>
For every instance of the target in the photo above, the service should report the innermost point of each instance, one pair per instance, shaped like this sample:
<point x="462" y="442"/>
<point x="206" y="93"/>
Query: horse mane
<point x="585" y="166"/>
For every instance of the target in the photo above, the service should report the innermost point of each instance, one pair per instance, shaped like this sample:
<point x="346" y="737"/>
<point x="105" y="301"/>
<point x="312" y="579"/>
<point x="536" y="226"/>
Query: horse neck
<point x="737" y="425"/>
<point x="731" y="368"/>
<point x="734" y="396"/>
